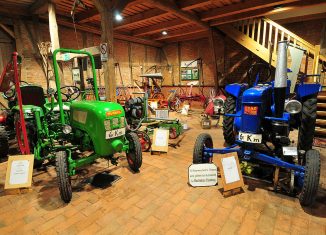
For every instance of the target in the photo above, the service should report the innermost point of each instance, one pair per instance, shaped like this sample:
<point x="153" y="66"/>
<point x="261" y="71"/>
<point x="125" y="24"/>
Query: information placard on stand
<point x="19" y="171"/>
<point x="231" y="175"/>
<point x="160" y="140"/>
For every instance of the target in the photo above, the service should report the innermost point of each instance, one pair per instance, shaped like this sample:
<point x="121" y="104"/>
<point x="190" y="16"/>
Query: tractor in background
<point x="74" y="133"/>
<point x="257" y="124"/>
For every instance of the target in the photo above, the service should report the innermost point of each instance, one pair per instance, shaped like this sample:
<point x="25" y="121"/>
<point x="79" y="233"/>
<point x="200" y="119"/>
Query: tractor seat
<point x="33" y="95"/>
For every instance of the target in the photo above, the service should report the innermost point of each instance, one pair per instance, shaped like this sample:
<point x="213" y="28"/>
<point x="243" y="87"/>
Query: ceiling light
<point x="118" y="17"/>
<point x="164" y="33"/>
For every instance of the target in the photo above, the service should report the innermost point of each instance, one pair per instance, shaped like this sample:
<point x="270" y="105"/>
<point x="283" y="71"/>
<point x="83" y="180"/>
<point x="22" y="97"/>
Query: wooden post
<point x="316" y="60"/>
<point x="214" y="54"/>
<point x="105" y="9"/>
<point x="54" y="36"/>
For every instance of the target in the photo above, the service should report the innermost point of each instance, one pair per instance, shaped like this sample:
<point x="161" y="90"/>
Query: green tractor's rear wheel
<point x="63" y="176"/>
<point x="203" y="140"/>
<point x="134" y="154"/>
<point x="228" y="129"/>
<point x="311" y="178"/>
<point x="308" y="123"/>
<point x="4" y="145"/>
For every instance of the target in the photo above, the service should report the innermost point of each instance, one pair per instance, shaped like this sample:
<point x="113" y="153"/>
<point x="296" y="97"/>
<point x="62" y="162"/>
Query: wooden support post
<point x="214" y="54"/>
<point x="316" y="60"/>
<point x="105" y="9"/>
<point x="54" y="36"/>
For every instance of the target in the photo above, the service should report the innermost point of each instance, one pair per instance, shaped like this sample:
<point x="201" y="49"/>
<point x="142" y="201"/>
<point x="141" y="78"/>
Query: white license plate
<point x="290" y="151"/>
<point x="250" y="138"/>
<point x="115" y="133"/>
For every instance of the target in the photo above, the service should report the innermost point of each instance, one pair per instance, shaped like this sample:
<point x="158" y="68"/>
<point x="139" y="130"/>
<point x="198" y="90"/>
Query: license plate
<point x="115" y="133"/>
<point x="290" y="151"/>
<point x="250" y="138"/>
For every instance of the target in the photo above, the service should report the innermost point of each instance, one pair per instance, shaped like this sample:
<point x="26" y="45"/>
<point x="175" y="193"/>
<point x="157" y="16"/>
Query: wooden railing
<point x="267" y="33"/>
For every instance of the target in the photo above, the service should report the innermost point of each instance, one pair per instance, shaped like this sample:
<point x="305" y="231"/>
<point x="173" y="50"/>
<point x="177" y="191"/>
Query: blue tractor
<point x="257" y="124"/>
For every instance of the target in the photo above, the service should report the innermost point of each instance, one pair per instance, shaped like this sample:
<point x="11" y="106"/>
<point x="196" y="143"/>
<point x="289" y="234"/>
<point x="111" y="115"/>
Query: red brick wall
<point x="134" y="59"/>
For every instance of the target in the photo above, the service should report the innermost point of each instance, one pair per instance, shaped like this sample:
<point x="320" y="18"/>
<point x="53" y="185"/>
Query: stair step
<point x="321" y="113"/>
<point x="321" y="105"/>
<point x="321" y="122"/>
<point x="320" y="131"/>
<point x="321" y="97"/>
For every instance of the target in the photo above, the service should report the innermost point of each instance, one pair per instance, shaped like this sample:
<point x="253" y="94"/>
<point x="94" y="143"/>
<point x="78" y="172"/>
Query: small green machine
<point x="75" y="133"/>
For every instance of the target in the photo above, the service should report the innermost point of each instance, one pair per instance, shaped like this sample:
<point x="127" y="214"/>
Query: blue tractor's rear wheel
<point x="228" y="128"/>
<point x="203" y="140"/>
<point x="311" y="178"/>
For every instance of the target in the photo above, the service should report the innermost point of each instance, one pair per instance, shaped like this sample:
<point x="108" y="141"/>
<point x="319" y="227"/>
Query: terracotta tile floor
<point x="157" y="200"/>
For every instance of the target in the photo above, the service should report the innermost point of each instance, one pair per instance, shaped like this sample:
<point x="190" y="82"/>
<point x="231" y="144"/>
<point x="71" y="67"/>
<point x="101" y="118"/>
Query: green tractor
<point x="74" y="132"/>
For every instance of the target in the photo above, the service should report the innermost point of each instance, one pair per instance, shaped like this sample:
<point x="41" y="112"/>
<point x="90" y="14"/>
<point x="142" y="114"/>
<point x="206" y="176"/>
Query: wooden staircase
<point x="260" y="36"/>
<point x="320" y="131"/>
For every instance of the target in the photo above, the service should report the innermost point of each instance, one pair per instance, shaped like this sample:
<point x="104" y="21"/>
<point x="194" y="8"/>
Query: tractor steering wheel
<point x="258" y="71"/>
<point x="70" y="93"/>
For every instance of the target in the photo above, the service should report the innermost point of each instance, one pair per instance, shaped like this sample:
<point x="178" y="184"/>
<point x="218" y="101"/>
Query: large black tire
<point x="4" y="144"/>
<point x="311" y="178"/>
<point x="308" y="123"/>
<point x="203" y="140"/>
<point x="134" y="154"/>
<point x="63" y="176"/>
<point x="228" y="130"/>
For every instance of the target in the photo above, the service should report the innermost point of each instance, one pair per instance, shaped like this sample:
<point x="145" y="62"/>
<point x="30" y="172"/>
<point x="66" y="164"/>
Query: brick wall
<point x="134" y="59"/>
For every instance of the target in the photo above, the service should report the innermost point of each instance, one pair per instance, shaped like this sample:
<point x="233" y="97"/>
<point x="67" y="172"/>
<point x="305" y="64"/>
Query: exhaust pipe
<point x="280" y="82"/>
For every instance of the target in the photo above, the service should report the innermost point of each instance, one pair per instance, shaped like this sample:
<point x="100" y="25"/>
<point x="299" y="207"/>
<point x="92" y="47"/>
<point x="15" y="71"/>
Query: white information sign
<point x="290" y="151"/>
<point x="104" y="52"/>
<point x="162" y="113"/>
<point x="200" y="175"/>
<point x="19" y="172"/>
<point x="230" y="170"/>
<point x="161" y="139"/>
<point x="76" y="74"/>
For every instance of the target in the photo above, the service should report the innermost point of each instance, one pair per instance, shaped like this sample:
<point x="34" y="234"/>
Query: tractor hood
<point x="97" y="119"/>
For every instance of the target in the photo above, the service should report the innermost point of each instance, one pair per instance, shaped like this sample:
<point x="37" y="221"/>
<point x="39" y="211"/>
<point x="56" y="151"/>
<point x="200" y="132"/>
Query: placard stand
<point x="160" y="141"/>
<point x="231" y="175"/>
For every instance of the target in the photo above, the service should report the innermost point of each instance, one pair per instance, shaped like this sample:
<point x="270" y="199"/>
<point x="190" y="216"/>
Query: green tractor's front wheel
<point x="63" y="176"/>
<point x="134" y="154"/>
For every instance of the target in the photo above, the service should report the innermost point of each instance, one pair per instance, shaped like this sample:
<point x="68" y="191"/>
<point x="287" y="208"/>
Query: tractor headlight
<point x="107" y="125"/>
<point x="66" y="129"/>
<point x="122" y="121"/>
<point x="293" y="107"/>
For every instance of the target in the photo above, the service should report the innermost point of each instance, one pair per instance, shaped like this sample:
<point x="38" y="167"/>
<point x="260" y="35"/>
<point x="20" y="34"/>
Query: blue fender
<point x="303" y="90"/>
<point x="235" y="89"/>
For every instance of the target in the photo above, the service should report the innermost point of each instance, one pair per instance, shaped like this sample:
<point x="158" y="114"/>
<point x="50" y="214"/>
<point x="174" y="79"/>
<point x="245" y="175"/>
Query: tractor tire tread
<point x="311" y="178"/>
<point x="63" y="176"/>
<point x="308" y="123"/>
<point x="4" y="144"/>
<point x="229" y="107"/>
<point x="198" y="149"/>
<point x="138" y="155"/>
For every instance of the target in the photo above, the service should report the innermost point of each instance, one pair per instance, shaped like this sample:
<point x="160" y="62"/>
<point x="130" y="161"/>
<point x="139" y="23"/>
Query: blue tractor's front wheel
<point x="311" y="178"/>
<point x="203" y="140"/>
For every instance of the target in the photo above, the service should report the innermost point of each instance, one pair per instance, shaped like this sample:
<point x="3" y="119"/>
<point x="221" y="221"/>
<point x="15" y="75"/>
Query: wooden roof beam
<point x="180" y="32"/>
<point x="242" y="7"/>
<point x="39" y="6"/>
<point x="141" y="18"/>
<point x="171" y="7"/>
<point x="156" y="28"/>
<point x="193" y="4"/>
<point x="97" y="31"/>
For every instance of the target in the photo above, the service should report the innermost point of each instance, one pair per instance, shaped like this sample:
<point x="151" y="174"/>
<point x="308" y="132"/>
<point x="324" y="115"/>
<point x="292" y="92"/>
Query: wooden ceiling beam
<point x="193" y="4"/>
<point x="97" y="31"/>
<point x="88" y="15"/>
<point x="271" y="11"/>
<point x="242" y="7"/>
<point x="39" y="7"/>
<point x="188" y="37"/>
<point x="171" y="7"/>
<point x="180" y="32"/>
<point x="156" y="28"/>
<point x="141" y="18"/>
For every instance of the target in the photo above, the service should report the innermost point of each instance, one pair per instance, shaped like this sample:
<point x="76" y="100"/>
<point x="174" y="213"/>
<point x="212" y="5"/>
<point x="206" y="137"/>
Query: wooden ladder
<point x="261" y="35"/>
